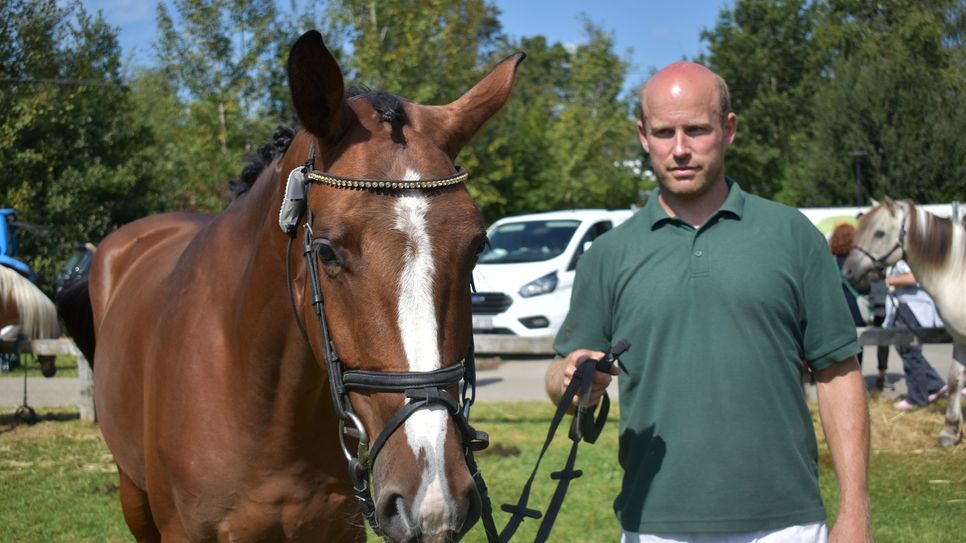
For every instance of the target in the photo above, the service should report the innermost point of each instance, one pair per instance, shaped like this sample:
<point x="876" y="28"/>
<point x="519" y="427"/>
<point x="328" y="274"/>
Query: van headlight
<point x="543" y="285"/>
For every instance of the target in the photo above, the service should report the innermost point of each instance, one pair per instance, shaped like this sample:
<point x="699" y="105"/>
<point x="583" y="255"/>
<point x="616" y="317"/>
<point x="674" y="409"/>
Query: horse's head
<point x="394" y="261"/>
<point x="878" y="241"/>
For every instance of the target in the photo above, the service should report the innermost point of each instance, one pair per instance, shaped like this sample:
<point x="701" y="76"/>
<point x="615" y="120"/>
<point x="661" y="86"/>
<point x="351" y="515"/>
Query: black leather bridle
<point x="425" y="390"/>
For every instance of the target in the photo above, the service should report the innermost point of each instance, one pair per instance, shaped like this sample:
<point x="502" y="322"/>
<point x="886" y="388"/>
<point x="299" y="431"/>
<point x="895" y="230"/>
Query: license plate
<point x="482" y="323"/>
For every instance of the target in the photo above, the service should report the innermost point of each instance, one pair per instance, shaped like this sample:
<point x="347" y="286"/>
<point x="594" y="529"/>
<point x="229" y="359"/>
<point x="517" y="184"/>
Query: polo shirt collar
<point x="733" y="205"/>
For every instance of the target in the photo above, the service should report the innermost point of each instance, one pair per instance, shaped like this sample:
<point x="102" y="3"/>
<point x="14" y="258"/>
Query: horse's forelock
<point x="390" y="107"/>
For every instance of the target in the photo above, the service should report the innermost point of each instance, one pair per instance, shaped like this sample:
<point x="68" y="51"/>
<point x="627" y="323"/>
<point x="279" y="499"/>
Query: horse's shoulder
<point x="145" y="249"/>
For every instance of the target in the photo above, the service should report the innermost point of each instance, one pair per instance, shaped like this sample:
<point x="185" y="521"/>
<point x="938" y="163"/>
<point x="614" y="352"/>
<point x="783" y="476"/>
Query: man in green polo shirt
<point x="724" y="296"/>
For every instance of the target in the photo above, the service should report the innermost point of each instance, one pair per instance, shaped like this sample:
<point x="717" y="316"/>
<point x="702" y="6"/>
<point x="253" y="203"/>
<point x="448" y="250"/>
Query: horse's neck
<point x="277" y="359"/>
<point x="942" y="278"/>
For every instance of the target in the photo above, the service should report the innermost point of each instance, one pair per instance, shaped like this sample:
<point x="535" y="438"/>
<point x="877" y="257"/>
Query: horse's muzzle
<point x="402" y="521"/>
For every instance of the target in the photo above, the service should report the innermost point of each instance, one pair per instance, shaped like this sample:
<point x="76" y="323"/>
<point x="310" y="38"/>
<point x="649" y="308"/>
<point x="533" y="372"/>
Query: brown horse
<point x="26" y="313"/>
<point x="216" y="388"/>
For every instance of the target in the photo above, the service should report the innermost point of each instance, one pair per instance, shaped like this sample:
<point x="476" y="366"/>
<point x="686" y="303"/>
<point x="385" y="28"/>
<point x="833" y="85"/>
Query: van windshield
<point x="528" y="241"/>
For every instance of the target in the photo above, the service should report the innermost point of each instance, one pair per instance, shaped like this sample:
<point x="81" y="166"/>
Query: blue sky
<point x="657" y="32"/>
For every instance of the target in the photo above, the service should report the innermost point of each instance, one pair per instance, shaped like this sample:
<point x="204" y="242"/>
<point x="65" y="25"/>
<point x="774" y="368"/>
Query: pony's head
<point x="394" y="234"/>
<point x="879" y="237"/>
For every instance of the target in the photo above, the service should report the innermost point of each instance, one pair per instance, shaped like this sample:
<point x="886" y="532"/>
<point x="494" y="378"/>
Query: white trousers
<point x="807" y="533"/>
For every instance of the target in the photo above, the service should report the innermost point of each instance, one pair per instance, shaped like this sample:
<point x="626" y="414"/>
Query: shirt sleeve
<point x="589" y="319"/>
<point x="829" y="334"/>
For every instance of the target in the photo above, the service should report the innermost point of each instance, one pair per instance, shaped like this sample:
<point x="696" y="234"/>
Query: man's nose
<point x="681" y="147"/>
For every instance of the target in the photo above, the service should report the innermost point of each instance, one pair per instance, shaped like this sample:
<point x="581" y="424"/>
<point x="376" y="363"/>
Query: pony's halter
<point x="879" y="262"/>
<point x="424" y="390"/>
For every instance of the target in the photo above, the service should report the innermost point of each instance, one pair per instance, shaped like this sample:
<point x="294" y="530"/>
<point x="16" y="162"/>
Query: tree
<point x="765" y="51"/>
<point x="222" y="57"/>
<point x="76" y="160"/>
<point x="428" y="51"/>
<point x="892" y="92"/>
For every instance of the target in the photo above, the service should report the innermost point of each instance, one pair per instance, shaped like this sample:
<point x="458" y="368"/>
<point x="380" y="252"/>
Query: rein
<point x="425" y="390"/>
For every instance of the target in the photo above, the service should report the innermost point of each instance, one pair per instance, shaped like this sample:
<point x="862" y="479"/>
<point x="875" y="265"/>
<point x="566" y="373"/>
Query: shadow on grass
<point x="10" y="421"/>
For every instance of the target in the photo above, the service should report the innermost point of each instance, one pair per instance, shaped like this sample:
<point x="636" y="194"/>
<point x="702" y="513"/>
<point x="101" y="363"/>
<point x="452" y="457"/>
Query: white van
<point x="524" y="279"/>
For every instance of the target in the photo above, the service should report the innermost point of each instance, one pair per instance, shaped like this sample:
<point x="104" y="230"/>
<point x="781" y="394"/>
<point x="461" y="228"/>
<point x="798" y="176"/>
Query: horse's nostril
<point x="393" y="517"/>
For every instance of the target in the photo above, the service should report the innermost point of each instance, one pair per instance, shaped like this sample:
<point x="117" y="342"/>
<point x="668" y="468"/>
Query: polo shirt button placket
<point x="699" y="259"/>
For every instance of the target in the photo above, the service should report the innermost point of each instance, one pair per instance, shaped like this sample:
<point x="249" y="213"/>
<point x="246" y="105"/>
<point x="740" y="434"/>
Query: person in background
<point x="841" y="243"/>
<point x="878" y="293"/>
<point x="911" y="307"/>
<point x="722" y="296"/>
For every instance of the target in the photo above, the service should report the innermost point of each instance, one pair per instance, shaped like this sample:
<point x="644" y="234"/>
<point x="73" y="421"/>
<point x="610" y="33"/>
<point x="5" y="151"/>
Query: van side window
<point x="593" y="233"/>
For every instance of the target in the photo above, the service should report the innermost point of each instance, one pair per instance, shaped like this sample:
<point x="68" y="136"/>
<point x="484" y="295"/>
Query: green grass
<point x="66" y="367"/>
<point x="58" y="481"/>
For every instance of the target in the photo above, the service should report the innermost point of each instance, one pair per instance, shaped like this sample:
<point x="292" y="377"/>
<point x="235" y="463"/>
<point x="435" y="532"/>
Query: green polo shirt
<point x="715" y="433"/>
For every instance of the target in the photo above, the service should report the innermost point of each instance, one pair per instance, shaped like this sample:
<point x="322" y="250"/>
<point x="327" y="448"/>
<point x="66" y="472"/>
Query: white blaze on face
<point x="425" y="429"/>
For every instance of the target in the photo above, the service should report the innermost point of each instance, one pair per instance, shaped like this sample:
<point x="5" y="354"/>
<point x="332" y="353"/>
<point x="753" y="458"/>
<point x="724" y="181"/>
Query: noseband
<point x="423" y="390"/>
<point x="880" y="263"/>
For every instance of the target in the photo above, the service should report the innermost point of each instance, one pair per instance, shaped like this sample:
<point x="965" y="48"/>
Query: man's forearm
<point x="845" y="419"/>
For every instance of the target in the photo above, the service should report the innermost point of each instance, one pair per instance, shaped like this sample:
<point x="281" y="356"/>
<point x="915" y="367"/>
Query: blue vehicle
<point x="8" y="246"/>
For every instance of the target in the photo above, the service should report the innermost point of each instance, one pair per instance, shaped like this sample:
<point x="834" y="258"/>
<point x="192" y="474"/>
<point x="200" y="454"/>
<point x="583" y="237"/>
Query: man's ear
<point x="642" y="134"/>
<point x="730" y="127"/>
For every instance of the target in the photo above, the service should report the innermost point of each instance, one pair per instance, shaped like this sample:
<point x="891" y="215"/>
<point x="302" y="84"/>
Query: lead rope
<point x="583" y="428"/>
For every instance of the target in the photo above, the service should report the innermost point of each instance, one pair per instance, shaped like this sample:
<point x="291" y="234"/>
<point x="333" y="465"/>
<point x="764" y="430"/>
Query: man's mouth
<point x="683" y="171"/>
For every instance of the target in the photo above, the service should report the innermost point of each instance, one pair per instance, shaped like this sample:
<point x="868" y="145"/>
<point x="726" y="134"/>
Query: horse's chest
<point x="279" y="508"/>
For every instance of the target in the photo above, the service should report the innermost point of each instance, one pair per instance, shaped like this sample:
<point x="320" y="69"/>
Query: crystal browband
<point x="390" y="184"/>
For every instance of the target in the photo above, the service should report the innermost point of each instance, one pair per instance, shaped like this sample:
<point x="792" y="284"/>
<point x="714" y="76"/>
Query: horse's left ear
<point x="461" y="119"/>
<point x="315" y="80"/>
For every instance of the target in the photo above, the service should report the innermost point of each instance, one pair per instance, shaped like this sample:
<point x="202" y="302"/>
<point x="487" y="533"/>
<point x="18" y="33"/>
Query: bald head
<point x="685" y="80"/>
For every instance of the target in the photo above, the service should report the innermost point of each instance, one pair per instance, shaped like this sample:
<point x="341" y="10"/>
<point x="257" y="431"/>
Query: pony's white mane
<point x="38" y="316"/>
<point x="939" y="263"/>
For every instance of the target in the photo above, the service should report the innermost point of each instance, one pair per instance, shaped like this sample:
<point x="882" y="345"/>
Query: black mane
<point x="257" y="161"/>
<point x="388" y="105"/>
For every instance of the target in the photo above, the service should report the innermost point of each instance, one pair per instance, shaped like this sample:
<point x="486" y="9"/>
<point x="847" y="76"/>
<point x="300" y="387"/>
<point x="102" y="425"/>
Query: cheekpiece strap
<point x="387" y="184"/>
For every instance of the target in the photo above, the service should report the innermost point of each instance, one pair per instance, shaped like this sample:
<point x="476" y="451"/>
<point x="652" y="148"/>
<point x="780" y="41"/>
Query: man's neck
<point x="698" y="209"/>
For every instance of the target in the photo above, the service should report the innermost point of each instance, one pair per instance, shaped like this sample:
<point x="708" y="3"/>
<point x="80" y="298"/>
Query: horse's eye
<point x="481" y="246"/>
<point x="879" y="234"/>
<point x="327" y="253"/>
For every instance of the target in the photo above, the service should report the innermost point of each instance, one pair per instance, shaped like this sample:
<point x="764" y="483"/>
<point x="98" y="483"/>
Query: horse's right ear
<point x="875" y="203"/>
<point x="315" y="80"/>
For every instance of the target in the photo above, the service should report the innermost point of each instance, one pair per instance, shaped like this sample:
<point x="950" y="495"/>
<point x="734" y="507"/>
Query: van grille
<point x="490" y="303"/>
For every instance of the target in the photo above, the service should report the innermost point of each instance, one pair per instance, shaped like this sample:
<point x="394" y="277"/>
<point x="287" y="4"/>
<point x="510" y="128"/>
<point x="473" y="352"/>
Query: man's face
<point x="685" y="136"/>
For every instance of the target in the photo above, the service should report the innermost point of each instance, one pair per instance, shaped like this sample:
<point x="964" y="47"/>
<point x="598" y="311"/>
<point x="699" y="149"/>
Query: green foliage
<point x="891" y="88"/>
<point x="818" y="86"/>
<point x="764" y="51"/>
<point x="429" y="51"/>
<point x="221" y="62"/>
<point x="75" y="157"/>
<point x="86" y="148"/>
